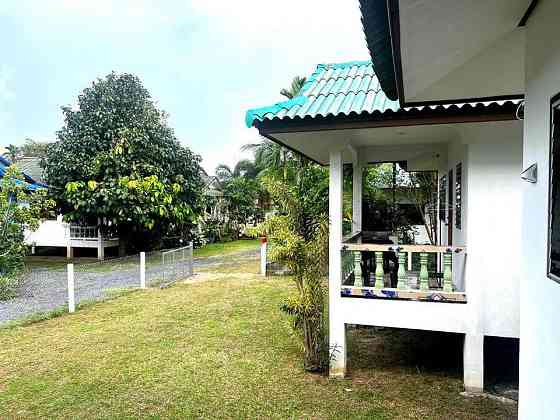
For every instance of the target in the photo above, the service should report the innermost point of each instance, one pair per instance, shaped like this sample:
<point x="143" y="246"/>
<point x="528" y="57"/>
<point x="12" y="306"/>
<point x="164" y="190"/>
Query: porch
<point x="466" y="280"/>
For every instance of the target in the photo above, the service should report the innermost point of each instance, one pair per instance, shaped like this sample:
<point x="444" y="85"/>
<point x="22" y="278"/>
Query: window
<point x="458" y="192"/>
<point x="554" y="194"/>
<point x="442" y="197"/>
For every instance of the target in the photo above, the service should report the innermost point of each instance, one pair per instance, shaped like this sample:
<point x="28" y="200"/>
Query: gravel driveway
<point x="46" y="290"/>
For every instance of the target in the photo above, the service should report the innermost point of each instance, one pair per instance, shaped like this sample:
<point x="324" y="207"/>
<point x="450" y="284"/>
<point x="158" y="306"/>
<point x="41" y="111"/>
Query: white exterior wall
<point x="49" y="233"/>
<point x="540" y="296"/>
<point x="493" y="235"/>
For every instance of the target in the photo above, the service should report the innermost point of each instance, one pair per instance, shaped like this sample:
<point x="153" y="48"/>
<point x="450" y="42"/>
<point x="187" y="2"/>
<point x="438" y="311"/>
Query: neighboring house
<point x="214" y="197"/>
<point x="31" y="166"/>
<point x="470" y="89"/>
<point x="31" y="183"/>
<point x="56" y="233"/>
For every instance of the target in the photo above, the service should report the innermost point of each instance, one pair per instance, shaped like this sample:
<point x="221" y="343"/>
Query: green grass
<point x="211" y="250"/>
<point x="218" y="348"/>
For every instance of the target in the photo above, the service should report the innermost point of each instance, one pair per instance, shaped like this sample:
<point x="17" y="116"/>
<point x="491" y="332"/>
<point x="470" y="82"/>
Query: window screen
<point x="442" y="197"/>
<point x="554" y="196"/>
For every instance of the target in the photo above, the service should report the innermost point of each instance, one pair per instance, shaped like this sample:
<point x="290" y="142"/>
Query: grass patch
<point x="211" y="349"/>
<point x="225" y="248"/>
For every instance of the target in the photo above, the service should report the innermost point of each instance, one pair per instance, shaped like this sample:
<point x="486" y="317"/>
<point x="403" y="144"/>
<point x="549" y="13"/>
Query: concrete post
<point x="357" y="196"/>
<point x="264" y="246"/>
<point x="69" y="252"/>
<point x="473" y="363"/>
<point x="71" y="296"/>
<point x="337" y="328"/>
<point x="142" y="270"/>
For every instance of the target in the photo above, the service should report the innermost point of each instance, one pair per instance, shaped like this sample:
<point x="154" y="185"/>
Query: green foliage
<point x="18" y="209"/>
<point x="116" y="159"/>
<point x="12" y="153"/>
<point x="32" y="148"/>
<point x="298" y="237"/>
<point x="295" y="87"/>
<point x="242" y="195"/>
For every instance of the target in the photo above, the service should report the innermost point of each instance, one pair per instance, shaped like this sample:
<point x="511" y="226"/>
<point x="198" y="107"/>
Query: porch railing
<point x="399" y="271"/>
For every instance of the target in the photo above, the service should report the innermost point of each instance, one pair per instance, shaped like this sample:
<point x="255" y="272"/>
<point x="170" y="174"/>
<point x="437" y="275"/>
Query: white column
<point x="337" y="330"/>
<point x="142" y="270"/>
<point x="71" y="296"/>
<point x="473" y="363"/>
<point x="357" y="196"/>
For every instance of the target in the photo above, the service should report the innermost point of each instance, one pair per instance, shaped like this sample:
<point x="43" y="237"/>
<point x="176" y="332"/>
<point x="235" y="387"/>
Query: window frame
<point x="554" y="105"/>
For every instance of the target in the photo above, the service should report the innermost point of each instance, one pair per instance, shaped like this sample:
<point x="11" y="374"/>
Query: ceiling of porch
<point x="391" y="143"/>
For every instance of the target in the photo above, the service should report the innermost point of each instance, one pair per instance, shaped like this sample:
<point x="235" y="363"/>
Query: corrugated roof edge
<point x="258" y="113"/>
<point x="414" y="110"/>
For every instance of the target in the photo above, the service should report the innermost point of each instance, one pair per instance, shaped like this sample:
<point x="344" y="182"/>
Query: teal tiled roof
<point x="333" y="89"/>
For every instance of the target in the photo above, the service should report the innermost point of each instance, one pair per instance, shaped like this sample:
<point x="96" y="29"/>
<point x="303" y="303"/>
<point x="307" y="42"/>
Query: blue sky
<point x="205" y="62"/>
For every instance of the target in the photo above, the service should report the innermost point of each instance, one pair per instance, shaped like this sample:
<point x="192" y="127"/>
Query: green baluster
<point x="379" y="273"/>
<point x="447" y="277"/>
<point x="358" y="282"/>
<point x="424" y="283"/>
<point x="401" y="274"/>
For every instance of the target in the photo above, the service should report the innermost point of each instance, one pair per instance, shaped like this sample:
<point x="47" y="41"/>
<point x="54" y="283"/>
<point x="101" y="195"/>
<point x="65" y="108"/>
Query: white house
<point x="468" y="89"/>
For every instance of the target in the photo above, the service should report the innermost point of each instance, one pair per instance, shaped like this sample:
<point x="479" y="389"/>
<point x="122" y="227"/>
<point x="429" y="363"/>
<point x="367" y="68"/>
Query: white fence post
<point x="191" y="261"/>
<point x="71" y="298"/>
<point x="263" y="256"/>
<point x="142" y="270"/>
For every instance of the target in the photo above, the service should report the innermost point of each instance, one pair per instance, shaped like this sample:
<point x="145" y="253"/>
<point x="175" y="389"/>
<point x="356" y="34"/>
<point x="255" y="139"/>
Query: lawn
<point x="215" y="347"/>
<point x="227" y="248"/>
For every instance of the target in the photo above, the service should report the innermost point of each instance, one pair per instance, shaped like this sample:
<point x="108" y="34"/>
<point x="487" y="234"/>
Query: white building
<point x="58" y="234"/>
<point x="468" y="89"/>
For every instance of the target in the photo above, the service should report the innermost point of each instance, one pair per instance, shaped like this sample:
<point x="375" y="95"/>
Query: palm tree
<point x="295" y="88"/>
<point x="11" y="153"/>
<point x="245" y="168"/>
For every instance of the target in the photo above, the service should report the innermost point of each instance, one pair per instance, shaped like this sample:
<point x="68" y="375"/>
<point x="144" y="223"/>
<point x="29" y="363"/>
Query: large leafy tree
<point x="118" y="162"/>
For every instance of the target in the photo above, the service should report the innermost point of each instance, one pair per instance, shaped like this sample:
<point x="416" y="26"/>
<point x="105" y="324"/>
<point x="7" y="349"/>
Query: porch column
<point x="337" y="329"/>
<point x="473" y="363"/>
<point x="357" y="196"/>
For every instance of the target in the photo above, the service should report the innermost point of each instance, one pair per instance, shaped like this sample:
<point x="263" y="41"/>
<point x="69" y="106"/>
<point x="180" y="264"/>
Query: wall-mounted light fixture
<point x="530" y="174"/>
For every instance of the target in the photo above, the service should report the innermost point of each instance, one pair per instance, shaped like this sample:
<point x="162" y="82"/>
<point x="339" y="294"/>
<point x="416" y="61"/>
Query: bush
<point x="8" y="285"/>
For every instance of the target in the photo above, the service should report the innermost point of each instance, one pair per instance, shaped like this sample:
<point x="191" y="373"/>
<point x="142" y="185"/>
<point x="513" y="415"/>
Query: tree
<point x="295" y="87"/>
<point x="241" y="192"/>
<point x="298" y="237"/>
<point x="245" y="168"/>
<point x="19" y="209"/>
<point x="270" y="156"/>
<point x="32" y="148"/>
<point x="12" y="153"/>
<point x="118" y="162"/>
<point x="421" y="189"/>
